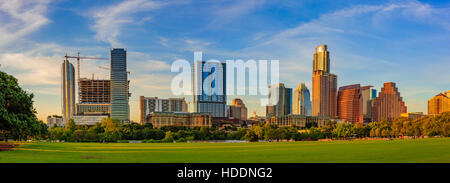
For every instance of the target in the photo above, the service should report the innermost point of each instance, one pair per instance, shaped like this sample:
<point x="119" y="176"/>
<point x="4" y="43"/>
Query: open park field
<point x="431" y="150"/>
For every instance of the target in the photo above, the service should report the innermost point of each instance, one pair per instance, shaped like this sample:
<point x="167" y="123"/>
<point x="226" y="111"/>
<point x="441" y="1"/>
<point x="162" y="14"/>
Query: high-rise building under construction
<point x="94" y="97"/>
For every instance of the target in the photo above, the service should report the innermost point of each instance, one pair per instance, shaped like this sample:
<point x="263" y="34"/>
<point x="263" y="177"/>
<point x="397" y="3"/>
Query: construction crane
<point x="78" y="61"/>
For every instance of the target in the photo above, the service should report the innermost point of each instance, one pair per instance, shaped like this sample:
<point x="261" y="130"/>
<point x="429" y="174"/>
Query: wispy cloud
<point x="19" y="18"/>
<point x="226" y="14"/>
<point x="110" y="20"/>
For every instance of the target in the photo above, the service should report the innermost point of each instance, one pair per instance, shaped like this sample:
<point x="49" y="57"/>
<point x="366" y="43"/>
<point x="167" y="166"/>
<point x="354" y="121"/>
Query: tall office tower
<point x="68" y="90"/>
<point x="324" y="84"/>
<point x="368" y="94"/>
<point x="284" y="105"/>
<point x="237" y="110"/>
<point x="389" y="104"/>
<point x="119" y="85"/>
<point x="301" y="101"/>
<point x="153" y="104"/>
<point x="349" y="103"/>
<point x="439" y="103"/>
<point x="210" y="98"/>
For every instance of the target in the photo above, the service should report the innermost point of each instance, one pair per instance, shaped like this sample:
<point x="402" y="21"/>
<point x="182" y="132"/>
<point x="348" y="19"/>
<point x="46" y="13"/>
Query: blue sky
<point x="370" y="42"/>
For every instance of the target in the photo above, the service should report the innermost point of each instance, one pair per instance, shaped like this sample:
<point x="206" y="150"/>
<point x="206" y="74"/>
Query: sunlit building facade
<point x="301" y="102"/>
<point x="237" y="110"/>
<point x="349" y="103"/>
<point x="389" y="104"/>
<point x="295" y="120"/>
<point x="154" y="104"/>
<point x="439" y="103"/>
<point x="324" y="90"/>
<point x="67" y="90"/>
<point x="412" y="115"/>
<point x="160" y="119"/>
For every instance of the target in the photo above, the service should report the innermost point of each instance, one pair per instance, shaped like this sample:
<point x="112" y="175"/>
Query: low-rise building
<point x="412" y="115"/>
<point x="55" y="120"/>
<point x="439" y="103"/>
<point x="298" y="120"/>
<point x="148" y="105"/>
<point x="160" y="119"/>
<point x="93" y="109"/>
<point x="88" y="120"/>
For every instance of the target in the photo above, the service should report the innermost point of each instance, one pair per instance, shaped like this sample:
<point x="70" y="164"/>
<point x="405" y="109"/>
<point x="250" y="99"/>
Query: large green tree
<point x="17" y="115"/>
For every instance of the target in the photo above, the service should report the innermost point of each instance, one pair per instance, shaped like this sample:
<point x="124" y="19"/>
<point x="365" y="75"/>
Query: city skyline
<point x="370" y="43"/>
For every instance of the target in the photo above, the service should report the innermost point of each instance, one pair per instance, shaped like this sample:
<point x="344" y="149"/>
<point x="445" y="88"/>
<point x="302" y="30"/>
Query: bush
<point x="190" y="138"/>
<point x="123" y="141"/>
<point x="180" y="140"/>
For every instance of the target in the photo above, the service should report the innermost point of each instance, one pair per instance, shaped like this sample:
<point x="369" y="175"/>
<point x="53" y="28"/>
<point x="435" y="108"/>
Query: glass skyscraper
<point x="67" y="90"/>
<point x="367" y="94"/>
<point x="210" y="99"/>
<point x="119" y="85"/>
<point x="301" y="101"/>
<point x="283" y="106"/>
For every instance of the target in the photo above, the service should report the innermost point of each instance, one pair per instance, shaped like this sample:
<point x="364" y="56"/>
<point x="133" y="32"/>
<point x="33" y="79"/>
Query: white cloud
<point x="19" y="18"/>
<point x="163" y="41"/>
<point x="33" y="69"/>
<point x="152" y="66"/>
<point x="109" y="20"/>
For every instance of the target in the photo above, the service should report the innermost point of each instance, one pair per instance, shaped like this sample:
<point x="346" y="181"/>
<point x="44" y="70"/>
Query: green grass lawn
<point x="378" y="151"/>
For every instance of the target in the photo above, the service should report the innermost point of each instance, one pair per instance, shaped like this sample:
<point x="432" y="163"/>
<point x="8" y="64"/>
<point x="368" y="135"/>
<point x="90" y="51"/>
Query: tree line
<point x="109" y="130"/>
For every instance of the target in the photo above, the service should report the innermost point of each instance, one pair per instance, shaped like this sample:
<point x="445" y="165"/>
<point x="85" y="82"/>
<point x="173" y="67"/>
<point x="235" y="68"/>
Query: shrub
<point x="180" y="140"/>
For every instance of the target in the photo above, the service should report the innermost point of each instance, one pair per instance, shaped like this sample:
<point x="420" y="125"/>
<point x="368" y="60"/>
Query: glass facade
<point x="301" y="101"/>
<point x="119" y="85"/>
<point x="67" y="90"/>
<point x="284" y="103"/>
<point x="210" y="99"/>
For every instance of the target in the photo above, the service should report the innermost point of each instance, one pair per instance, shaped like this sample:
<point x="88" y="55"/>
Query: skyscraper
<point x="368" y="94"/>
<point x="119" y="85"/>
<point x="389" y="104"/>
<point x="68" y="90"/>
<point x="284" y="104"/>
<point x="439" y="103"/>
<point x="210" y="98"/>
<point x="301" y="101"/>
<point x="324" y="84"/>
<point x="349" y="103"/>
